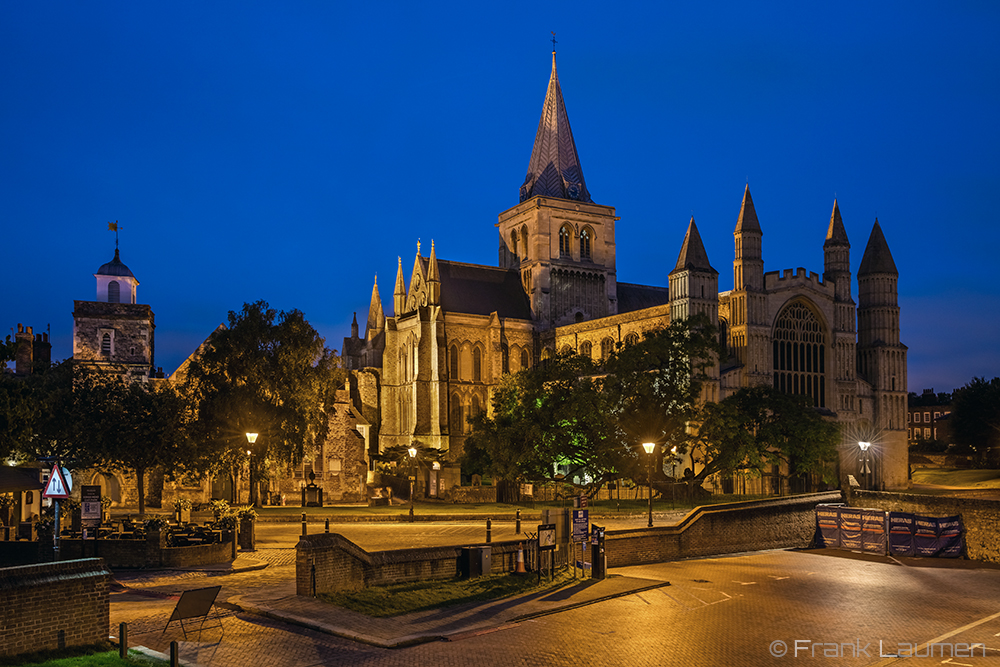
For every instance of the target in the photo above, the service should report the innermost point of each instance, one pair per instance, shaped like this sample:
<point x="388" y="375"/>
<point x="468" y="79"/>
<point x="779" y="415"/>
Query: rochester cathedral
<point x="456" y="328"/>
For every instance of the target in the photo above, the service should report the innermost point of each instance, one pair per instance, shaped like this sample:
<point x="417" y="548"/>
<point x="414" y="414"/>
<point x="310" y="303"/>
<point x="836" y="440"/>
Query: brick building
<point x="457" y="328"/>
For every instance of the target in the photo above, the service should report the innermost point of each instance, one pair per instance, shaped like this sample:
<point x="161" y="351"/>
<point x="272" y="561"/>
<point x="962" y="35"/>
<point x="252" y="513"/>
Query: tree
<point x="552" y="414"/>
<point x="268" y="373"/>
<point x="975" y="418"/>
<point x="760" y="426"/>
<point x="132" y="426"/>
<point x="653" y="387"/>
<point x="566" y="411"/>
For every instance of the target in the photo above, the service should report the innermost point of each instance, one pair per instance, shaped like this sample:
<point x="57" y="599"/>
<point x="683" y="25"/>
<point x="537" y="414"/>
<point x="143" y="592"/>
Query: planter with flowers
<point x="247" y="518"/>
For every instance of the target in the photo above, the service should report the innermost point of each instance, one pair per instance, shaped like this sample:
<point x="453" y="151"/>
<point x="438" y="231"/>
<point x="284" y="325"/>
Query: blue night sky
<point x="291" y="151"/>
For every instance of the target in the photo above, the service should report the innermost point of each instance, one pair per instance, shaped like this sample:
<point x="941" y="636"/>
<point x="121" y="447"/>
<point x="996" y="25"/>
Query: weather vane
<point x="113" y="227"/>
<point x="553" y="41"/>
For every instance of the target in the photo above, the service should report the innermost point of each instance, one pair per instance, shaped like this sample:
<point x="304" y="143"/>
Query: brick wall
<point x="337" y="564"/>
<point x="980" y="517"/>
<point x="117" y="553"/>
<point x="54" y="605"/>
<point x="721" y="529"/>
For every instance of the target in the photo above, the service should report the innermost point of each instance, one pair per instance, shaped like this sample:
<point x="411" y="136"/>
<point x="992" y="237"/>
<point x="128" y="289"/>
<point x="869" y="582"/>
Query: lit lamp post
<point x="649" y="447"/>
<point x="413" y="459"/>
<point x="865" y="468"/>
<point x="673" y="476"/>
<point x="251" y="438"/>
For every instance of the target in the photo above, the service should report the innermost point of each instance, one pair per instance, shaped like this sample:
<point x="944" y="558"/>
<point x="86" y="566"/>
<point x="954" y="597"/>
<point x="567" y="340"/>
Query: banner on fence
<point x="901" y="534"/>
<point x="873" y="531"/>
<point x="898" y="533"/>
<point x="828" y="526"/>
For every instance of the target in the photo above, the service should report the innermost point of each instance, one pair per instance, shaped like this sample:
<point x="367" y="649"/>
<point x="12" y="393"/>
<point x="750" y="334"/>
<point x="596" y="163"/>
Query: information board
<point x="90" y="505"/>
<point x="581" y="525"/>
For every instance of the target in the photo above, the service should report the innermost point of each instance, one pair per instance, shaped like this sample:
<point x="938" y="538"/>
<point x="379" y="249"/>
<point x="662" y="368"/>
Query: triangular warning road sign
<point x="57" y="487"/>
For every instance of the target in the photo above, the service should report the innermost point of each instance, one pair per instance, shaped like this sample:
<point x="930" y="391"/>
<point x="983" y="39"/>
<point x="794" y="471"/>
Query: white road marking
<point x="938" y="640"/>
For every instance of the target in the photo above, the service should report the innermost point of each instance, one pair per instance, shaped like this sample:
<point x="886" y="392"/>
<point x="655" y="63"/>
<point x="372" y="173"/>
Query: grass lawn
<point x="88" y="658"/>
<point x="973" y="479"/>
<point x="382" y="601"/>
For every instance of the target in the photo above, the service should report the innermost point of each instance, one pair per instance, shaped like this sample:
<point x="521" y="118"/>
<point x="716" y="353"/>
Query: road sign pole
<point x="55" y="532"/>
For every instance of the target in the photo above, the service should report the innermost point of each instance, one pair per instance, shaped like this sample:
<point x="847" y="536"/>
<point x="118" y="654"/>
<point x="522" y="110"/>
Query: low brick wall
<point x="471" y="494"/>
<point x="337" y="564"/>
<point x="721" y="529"/>
<point x="980" y="517"/>
<point x="117" y="553"/>
<point x="54" y="605"/>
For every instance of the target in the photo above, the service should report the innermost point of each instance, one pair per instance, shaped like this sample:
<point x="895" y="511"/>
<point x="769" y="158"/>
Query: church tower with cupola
<point x="559" y="241"/>
<point x="114" y="333"/>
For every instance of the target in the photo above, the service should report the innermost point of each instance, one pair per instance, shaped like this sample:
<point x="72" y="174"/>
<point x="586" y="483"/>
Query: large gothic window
<point x="513" y="245"/>
<point x="114" y="292"/>
<point x="453" y="362"/>
<point x="525" y="361"/>
<point x="524" y="242"/>
<point x="565" y="245"/>
<point x="607" y="346"/>
<point x="457" y="424"/>
<point x="586" y="349"/>
<point x="585" y="243"/>
<point x="800" y="354"/>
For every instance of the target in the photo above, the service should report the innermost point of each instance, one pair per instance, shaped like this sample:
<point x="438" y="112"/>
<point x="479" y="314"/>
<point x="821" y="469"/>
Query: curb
<point x="414" y="640"/>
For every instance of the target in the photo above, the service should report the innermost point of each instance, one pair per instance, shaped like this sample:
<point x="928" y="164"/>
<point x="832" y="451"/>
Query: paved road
<point x="391" y="535"/>
<point x="718" y="611"/>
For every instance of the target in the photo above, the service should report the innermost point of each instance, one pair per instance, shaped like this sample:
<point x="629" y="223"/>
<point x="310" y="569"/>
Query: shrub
<point x="182" y="504"/>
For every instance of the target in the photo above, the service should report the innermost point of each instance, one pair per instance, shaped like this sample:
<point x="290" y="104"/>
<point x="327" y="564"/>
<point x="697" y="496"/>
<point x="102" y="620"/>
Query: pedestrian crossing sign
<point x="57" y="487"/>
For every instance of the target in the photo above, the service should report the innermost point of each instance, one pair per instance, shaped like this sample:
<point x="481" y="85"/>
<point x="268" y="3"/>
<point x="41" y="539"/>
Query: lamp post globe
<point x="865" y="467"/>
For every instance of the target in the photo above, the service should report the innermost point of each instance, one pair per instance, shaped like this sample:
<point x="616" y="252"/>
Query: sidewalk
<point x="448" y="624"/>
<point x="277" y="600"/>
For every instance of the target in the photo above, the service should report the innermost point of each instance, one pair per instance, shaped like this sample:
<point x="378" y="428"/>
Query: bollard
<point x="517" y="524"/>
<point x="304" y="533"/>
<point x="174" y="657"/>
<point x="489" y="530"/>
<point x="328" y="525"/>
<point x="123" y="640"/>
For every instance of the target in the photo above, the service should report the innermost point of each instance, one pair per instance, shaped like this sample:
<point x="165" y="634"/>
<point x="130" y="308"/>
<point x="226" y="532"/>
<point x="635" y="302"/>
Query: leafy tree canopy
<point x="975" y="417"/>
<point x="760" y="426"/>
<point x="568" y="411"/>
<point x="268" y="373"/>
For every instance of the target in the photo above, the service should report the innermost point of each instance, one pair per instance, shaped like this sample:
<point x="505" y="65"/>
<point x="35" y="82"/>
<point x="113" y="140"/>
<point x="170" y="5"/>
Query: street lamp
<point x="673" y="476"/>
<point x="413" y="459"/>
<point x="649" y="447"/>
<point x="865" y="468"/>
<point x="251" y="438"/>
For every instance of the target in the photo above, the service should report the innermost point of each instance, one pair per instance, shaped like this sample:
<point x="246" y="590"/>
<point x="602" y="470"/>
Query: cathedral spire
<point x="835" y="233"/>
<point x="554" y="169"/>
<point x="693" y="255"/>
<point x="399" y="294"/>
<point x="433" y="278"/>
<point x="877" y="258"/>
<point x="376" y="318"/>
<point x="747" y="222"/>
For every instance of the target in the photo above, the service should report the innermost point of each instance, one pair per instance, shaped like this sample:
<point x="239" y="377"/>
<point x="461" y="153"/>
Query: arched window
<point x="457" y="423"/>
<point x="114" y="292"/>
<point x="475" y="407"/>
<point x="453" y="362"/>
<point x="565" y="246"/>
<point x="800" y="354"/>
<point x="477" y="365"/>
<point x="578" y="317"/>
<point x="513" y="245"/>
<point x="585" y="236"/>
<point x="525" y="360"/>
<point x="586" y="349"/>
<point x="607" y="345"/>
<point x="106" y="345"/>
<point x="632" y="339"/>
<point x="524" y="242"/>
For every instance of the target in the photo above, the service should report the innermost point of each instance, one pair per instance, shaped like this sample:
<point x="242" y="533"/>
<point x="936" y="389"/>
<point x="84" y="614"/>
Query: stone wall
<point x="979" y="516"/>
<point x="722" y="529"/>
<point x="55" y="605"/>
<point x="329" y="563"/>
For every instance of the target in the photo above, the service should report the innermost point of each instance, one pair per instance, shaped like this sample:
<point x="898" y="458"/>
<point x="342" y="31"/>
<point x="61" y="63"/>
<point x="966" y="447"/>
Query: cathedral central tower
<point x="560" y="242"/>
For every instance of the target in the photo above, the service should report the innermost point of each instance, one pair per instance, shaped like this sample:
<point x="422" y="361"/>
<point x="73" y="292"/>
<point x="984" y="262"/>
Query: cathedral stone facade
<point x="457" y="328"/>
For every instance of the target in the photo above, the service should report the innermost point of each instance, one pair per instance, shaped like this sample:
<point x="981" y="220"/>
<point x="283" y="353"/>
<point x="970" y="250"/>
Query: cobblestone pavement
<point x="740" y="610"/>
